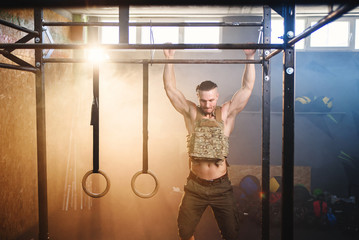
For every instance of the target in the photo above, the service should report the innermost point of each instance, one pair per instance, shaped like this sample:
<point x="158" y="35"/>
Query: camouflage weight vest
<point x="208" y="141"/>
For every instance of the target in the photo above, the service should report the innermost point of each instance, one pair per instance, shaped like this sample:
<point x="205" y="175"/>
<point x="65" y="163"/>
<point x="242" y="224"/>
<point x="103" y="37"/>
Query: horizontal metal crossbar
<point x="157" y="61"/>
<point x="111" y="3"/>
<point x="158" y="24"/>
<point x="142" y="46"/>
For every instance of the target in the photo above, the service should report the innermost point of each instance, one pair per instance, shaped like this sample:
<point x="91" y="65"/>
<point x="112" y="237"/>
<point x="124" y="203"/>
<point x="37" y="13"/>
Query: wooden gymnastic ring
<point x="95" y="195"/>
<point x="144" y="195"/>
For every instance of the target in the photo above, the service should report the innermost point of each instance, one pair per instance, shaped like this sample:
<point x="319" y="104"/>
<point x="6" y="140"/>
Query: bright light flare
<point x="96" y="55"/>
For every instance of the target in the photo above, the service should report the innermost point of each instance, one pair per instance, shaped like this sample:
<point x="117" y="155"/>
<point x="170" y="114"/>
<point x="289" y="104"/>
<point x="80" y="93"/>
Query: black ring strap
<point x="95" y="124"/>
<point x="145" y="141"/>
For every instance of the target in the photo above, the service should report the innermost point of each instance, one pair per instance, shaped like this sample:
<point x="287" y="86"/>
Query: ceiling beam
<point x="98" y="3"/>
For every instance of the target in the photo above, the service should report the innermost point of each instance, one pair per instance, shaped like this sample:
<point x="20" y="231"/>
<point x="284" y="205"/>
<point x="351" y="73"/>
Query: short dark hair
<point x="206" y="86"/>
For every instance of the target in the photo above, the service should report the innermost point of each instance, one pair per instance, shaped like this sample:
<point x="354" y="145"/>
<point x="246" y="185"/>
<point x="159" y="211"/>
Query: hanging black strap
<point x="145" y="141"/>
<point x="95" y="117"/>
<point x="95" y="126"/>
<point x="145" y="119"/>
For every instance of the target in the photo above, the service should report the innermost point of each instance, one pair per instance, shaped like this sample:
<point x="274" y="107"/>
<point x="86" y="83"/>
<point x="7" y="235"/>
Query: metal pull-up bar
<point x="157" y="24"/>
<point x="157" y="61"/>
<point x="143" y="46"/>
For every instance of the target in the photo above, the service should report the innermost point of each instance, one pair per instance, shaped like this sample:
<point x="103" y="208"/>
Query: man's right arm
<point x="178" y="100"/>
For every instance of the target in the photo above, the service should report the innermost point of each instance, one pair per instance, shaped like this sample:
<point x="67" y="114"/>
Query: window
<point x="277" y="26"/>
<point x="202" y="35"/>
<point x="277" y="31"/>
<point x="159" y="35"/>
<point x="335" y="34"/>
<point x="110" y="35"/>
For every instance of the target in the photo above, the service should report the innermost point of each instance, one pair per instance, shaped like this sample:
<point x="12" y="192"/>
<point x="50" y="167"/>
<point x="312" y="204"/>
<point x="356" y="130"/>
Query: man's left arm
<point x="241" y="97"/>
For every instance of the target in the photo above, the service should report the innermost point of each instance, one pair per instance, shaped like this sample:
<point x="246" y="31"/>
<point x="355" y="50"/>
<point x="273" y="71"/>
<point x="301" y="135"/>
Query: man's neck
<point x="209" y="115"/>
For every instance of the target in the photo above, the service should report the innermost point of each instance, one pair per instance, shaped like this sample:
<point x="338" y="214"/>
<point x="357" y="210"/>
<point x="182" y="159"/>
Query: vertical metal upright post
<point x="266" y="84"/>
<point x="288" y="124"/>
<point x="124" y="18"/>
<point x="41" y="129"/>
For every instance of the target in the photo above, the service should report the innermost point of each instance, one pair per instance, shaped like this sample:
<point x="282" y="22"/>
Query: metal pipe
<point x="111" y="3"/>
<point x="158" y="24"/>
<point x="157" y="61"/>
<point x="41" y="133"/>
<point x="272" y="54"/>
<point x="197" y="24"/>
<point x="24" y="39"/>
<point x="287" y="231"/>
<point x="17" y="27"/>
<point x="16" y="67"/>
<point x="322" y="22"/>
<point x="266" y="99"/>
<point x="143" y="46"/>
<point x="15" y="59"/>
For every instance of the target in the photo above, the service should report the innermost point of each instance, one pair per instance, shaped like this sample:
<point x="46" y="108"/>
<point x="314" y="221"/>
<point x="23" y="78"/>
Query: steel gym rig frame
<point x="287" y="11"/>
